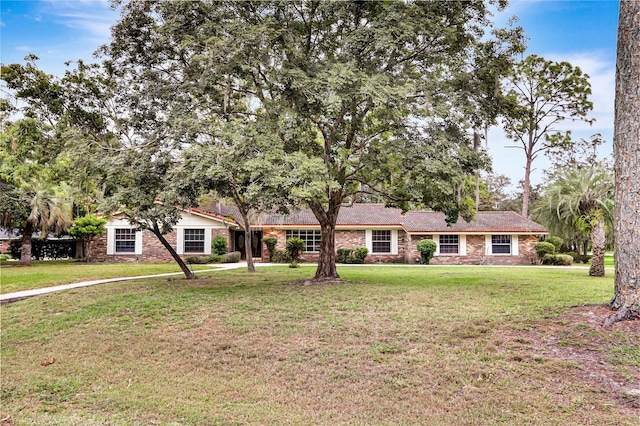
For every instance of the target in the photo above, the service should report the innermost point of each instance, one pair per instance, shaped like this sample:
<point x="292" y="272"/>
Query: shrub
<point x="4" y="257"/>
<point x="557" y="259"/>
<point x="295" y="247"/>
<point x="556" y="241"/>
<point x="219" y="245"/>
<point x="576" y="256"/>
<point x="563" y="259"/>
<point x="360" y="254"/>
<point x="214" y="258"/>
<point x="543" y="248"/>
<point x="294" y="264"/>
<point x="270" y="242"/>
<point x="195" y="260"/>
<point x="352" y="255"/>
<point x="585" y="258"/>
<point x="426" y="248"/>
<point x="281" y="256"/>
<point x="343" y="255"/>
<point x="233" y="257"/>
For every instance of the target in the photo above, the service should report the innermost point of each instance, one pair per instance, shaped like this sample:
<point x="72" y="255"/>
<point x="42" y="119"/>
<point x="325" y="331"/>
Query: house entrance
<point x="256" y="243"/>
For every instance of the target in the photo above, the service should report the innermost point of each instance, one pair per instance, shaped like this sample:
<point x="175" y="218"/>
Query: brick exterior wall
<point x="476" y="252"/>
<point x="152" y="250"/>
<point x="407" y="252"/>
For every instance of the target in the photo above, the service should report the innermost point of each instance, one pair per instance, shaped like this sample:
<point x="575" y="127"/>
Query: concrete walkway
<point x="19" y="295"/>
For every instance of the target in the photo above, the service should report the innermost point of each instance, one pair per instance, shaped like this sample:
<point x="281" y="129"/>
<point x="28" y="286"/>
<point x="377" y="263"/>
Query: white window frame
<point x="111" y="242"/>
<point x="369" y="241"/>
<point x="180" y="239"/>
<point x="187" y="239"/>
<point x="488" y="243"/>
<point x="462" y="245"/>
<point x="440" y="244"/>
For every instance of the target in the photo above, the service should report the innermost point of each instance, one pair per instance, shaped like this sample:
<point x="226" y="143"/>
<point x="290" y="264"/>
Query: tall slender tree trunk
<point x="598" y="240"/>
<point x="248" y="248"/>
<point x="627" y="165"/>
<point x="526" y="191"/>
<point x="25" y="250"/>
<point x="183" y="266"/>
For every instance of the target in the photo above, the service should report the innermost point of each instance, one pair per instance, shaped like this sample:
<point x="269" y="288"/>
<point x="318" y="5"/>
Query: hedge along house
<point x="500" y="237"/>
<point x="191" y="236"/>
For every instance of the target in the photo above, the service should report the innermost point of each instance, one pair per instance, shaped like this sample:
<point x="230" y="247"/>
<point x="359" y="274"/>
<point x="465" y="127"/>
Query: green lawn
<point x="394" y="345"/>
<point x="14" y="277"/>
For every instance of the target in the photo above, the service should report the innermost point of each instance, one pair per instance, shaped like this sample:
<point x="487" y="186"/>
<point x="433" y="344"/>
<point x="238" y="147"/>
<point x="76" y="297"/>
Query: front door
<point x="256" y="244"/>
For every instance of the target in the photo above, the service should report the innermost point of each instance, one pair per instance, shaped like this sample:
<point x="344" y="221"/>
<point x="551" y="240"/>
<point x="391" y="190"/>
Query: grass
<point x="395" y="345"/>
<point x="14" y="277"/>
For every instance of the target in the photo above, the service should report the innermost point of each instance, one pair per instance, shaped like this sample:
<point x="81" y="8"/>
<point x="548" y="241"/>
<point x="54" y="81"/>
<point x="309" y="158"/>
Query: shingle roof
<point x="363" y="215"/>
<point x="492" y="221"/>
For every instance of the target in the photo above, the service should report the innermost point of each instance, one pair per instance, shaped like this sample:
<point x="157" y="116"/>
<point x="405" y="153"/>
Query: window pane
<point x="194" y="240"/>
<point x="501" y="244"/>
<point x="311" y="238"/>
<point x="381" y="241"/>
<point x="449" y="244"/>
<point x="125" y="241"/>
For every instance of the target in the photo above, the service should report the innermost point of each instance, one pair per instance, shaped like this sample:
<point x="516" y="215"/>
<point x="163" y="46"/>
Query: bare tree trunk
<point x="25" y="250"/>
<point x="248" y="249"/>
<point x="598" y="240"/>
<point x="627" y="165"/>
<point x="526" y="191"/>
<point x="183" y="266"/>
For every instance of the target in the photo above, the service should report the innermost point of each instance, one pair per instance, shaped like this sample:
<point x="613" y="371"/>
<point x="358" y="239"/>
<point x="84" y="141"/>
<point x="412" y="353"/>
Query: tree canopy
<point x="544" y="95"/>
<point x="362" y="86"/>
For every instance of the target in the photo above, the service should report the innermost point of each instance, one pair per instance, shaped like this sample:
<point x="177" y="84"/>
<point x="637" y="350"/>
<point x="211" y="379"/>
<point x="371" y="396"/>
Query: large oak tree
<point x="363" y="86"/>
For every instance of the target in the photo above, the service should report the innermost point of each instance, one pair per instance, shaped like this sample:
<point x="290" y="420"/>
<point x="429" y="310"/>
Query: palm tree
<point x="580" y="200"/>
<point x="50" y="209"/>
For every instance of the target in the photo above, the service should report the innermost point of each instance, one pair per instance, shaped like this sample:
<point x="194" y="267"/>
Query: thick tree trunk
<point x="627" y="165"/>
<point x="327" y="270"/>
<point x="25" y="250"/>
<point x="248" y="248"/>
<point x="183" y="266"/>
<point x="598" y="240"/>
<point x="327" y="262"/>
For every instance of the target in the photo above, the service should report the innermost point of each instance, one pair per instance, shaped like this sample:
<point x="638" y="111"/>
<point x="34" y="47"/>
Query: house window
<point x="501" y="244"/>
<point x="381" y="241"/>
<point x="125" y="241"/>
<point x="194" y="240"/>
<point x="311" y="238"/>
<point x="449" y="244"/>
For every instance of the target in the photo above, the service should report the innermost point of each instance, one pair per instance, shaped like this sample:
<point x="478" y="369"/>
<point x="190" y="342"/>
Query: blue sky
<point x="581" y="32"/>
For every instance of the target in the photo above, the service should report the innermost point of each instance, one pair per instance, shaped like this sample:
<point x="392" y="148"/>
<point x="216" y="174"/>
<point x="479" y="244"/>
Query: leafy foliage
<point x="580" y="203"/>
<point x="557" y="259"/>
<point x="556" y="241"/>
<point x="219" y="245"/>
<point x="356" y="255"/>
<point x="295" y="248"/>
<point x="270" y="242"/>
<point x="544" y="94"/>
<point x="427" y="249"/>
<point x="85" y="228"/>
<point x="544" y="248"/>
<point x="358" y="93"/>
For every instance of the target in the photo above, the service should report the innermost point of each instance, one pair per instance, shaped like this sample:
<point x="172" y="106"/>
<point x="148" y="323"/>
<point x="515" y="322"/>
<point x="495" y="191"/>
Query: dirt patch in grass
<point x="607" y="359"/>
